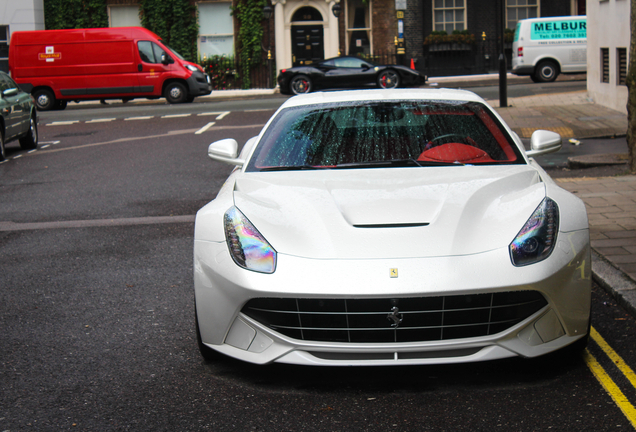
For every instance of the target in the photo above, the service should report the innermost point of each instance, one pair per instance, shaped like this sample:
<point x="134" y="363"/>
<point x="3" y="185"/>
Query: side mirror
<point x="10" y="92"/>
<point x="226" y="151"/>
<point x="165" y="59"/>
<point x="544" y="142"/>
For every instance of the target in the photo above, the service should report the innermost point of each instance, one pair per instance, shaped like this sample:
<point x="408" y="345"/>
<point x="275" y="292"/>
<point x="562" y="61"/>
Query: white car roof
<point x="382" y="95"/>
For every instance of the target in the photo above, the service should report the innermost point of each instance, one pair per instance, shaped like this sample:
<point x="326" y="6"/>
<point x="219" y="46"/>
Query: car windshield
<point x="383" y="134"/>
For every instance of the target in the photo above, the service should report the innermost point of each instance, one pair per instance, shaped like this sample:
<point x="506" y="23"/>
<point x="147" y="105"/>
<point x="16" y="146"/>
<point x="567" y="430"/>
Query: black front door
<point x="307" y="44"/>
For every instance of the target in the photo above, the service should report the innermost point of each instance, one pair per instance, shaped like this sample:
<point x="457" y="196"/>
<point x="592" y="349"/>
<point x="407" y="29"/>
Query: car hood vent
<point x="397" y="225"/>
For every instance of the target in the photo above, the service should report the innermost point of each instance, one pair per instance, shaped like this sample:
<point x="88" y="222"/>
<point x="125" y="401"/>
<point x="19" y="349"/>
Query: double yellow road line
<point x="606" y="381"/>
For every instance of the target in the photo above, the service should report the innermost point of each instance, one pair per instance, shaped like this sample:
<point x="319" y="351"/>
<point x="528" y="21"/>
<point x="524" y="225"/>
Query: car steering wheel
<point x="465" y="139"/>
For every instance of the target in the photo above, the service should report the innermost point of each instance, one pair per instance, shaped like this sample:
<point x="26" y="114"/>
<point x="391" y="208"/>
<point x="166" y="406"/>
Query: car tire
<point x="30" y="140"/>
<point x="300" y="84"/>
<point x="175" y="93"/>
<point x="44" y="99"/>
<point x="207" y="353"/>
<point x="546" y="71"/>
<point x="389" y="79"/>
<point x="3" y="155"/>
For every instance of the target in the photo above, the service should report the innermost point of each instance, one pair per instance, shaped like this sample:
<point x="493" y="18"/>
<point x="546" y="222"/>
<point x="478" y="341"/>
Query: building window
<point x="520" y="9"/>
<point x="449" y="15"/>
<point x="124" y="16"/>
<point x="358" y="27"/>
<point x="4" y="48"/>
<point x="216" y="29"/>
<point x="605" y="65"/>
<point x="621" y="67"/>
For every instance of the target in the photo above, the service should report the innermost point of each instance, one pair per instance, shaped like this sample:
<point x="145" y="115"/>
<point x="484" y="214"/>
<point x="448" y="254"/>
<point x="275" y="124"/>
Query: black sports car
<point x="346" y="72"/>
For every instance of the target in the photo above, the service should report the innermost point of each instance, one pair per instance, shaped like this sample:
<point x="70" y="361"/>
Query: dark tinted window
<point x="146" y="52"/>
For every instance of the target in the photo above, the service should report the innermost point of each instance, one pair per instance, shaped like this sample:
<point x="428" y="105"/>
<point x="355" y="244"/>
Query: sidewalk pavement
<point x="610" y="201"/>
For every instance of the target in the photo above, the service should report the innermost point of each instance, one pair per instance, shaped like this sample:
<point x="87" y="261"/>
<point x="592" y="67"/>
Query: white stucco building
<point x="15" y="16"/>
<point x="608" y="36"/>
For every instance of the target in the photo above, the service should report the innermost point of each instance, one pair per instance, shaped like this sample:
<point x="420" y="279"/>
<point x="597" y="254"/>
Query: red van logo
<point x="50" y="54"/>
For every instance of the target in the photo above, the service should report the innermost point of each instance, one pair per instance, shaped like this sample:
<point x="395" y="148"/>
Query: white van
<point x="545" y="47"/>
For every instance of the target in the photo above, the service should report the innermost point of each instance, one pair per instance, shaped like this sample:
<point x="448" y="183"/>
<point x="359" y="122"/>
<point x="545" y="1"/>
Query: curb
<point x="615" y="282"/>
<point x="593" y="160"/>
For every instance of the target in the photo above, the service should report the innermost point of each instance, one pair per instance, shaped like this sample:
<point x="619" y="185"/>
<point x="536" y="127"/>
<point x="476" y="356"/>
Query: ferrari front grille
<point x="414" y="319"/>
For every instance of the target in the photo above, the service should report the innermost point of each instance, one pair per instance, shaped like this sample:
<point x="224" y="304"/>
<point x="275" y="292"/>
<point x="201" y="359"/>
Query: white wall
<point x="607" y="27"/>
<point x="22" y="14"/>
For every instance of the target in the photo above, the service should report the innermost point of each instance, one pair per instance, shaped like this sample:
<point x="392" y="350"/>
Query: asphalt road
<point x="96" y="306"/>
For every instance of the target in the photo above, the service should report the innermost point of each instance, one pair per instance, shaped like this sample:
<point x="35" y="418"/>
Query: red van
<point x="57" y="66"/>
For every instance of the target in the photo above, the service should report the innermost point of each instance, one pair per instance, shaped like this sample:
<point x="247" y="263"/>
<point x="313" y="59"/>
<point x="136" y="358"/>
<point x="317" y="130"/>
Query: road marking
<point x="616" y="359"/>
<point x="17" y="157"/>
<point x="50" y="142"/>
<point x="31" y="151"/>
<point x="259" y="110"/>
<point x="204" y="128"/>
<point x="139" y="118"/>
<point x="101" y="120"/>
<point x="176" y="116"/>
<point x="63" y="123"/>
<point x="150" y="220"/>
<point x="610" y="386"/>
<point x="132" y="139"/>
<point x="219" y="115"/>
<point x="45" y="146"/>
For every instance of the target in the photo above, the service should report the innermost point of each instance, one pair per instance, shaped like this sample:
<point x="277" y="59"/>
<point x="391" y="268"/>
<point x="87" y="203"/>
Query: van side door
<point x="152" y="72"/>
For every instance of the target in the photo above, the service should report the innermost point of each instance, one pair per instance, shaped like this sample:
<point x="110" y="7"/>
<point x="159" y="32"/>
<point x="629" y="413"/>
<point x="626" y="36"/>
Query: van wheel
<point x="175" y="93"/>
<point x="546" y="71"/>
<point x="44" y="99"/>
<point x="30" y="140"/>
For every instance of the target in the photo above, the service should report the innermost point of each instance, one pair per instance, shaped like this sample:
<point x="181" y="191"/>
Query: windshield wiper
<point x="292" y="168"/>
<point x="394" y="163"/>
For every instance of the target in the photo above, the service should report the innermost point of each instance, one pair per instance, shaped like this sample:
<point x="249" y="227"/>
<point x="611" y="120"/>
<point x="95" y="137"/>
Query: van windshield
<point x="179" y="56"/>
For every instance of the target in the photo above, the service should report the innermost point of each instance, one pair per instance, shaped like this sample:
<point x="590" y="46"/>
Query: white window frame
<point x="111" y="7"/>
<point x="517" y="7"/>
<point x="202" y="35"/>
<point x="349" y="30"/>
<point x="454" y="8"/>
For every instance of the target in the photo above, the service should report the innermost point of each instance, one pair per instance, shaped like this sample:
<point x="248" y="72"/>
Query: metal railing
<point x="229" y="73"/>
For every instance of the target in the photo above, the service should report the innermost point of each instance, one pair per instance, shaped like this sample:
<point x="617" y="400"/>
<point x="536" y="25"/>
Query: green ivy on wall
<point x="175" y="21"/>
<point x="250" y="35"/>
<point x="69" y="14"/>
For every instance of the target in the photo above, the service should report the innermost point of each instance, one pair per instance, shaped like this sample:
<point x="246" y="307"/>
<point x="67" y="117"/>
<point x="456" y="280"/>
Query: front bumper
<point x="222" y="289"/>
<point x="199" y="84"/>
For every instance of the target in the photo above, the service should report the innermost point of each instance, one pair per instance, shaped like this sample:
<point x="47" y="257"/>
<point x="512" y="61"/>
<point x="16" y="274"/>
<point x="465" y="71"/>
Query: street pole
<point x="503" y="67"/>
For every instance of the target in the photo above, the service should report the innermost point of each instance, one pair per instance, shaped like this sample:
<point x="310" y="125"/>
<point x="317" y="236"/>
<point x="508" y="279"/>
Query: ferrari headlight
<point x="537" y="238"/>
<point x="248" y="247"/>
